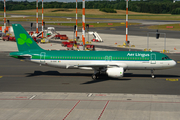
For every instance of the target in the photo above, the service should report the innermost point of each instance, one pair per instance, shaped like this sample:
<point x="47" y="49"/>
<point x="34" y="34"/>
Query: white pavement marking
<point x="89" y="95"/>
<point x="32" y="97"/>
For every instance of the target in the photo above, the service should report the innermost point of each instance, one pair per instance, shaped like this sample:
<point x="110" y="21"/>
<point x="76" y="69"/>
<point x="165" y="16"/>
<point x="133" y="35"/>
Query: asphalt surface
<point x="30" y="91"/>
<point x="137" y="30"/>
<point x="21" y="76"/>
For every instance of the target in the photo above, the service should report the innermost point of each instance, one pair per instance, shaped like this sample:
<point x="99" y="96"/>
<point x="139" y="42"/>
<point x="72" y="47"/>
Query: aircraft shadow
<point x="55" y="73"/>
<point x="102" y="77"/>
<point x="149" y="75"/>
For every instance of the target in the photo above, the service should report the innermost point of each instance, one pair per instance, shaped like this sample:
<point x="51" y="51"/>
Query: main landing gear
<point x="95" y="75"/>
<point x="152" y="74"/>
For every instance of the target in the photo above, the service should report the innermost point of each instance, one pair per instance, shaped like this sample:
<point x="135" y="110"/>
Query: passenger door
<point x="42" y="57"/>
<point x="153" y="58"/>
<point x="108" y="58"/>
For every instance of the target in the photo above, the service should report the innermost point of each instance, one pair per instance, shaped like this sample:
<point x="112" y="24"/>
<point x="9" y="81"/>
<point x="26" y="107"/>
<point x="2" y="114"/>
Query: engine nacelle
<point x="115" y="72"/>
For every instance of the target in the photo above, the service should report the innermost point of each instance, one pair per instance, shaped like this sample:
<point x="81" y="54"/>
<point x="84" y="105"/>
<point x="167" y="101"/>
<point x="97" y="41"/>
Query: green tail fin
<point x="24" y="40"/>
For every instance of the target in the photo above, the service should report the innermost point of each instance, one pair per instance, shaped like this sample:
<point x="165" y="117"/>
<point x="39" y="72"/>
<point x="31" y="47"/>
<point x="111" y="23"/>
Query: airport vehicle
<point x="114" y="63"/>
<point x="90" y="47"/>
<point x="68" y="43"/>
<point x="96" y="38"/>
<point x="9" y="38"/>
<point x="12" y="38"/>
<point x="6" y="38"/>
<point x="62" y="37"/>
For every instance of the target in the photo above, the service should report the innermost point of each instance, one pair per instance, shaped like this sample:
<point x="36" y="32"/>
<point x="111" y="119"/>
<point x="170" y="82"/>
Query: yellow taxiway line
<point x="171" y="79"/>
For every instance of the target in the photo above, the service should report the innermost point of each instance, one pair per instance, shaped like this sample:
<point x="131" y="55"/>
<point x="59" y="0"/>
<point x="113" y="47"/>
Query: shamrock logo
<point x="23" y="39"/>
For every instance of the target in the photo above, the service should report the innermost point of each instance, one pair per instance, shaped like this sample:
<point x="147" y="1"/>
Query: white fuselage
<point x="128" y="65"/>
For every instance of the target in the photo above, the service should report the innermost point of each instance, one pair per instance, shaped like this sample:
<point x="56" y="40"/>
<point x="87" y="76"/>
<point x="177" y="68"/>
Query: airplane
<point x="113" y="63"/>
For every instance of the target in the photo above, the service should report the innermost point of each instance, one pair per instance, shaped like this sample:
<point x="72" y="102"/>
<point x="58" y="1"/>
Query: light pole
<point x="157" y="37"/>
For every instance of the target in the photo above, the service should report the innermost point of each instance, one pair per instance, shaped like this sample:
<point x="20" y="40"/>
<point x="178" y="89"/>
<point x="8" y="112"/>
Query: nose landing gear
<point x="152" y="74"/>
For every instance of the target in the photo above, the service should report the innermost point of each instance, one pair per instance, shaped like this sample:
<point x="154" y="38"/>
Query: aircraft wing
<point x="97" y="66"/>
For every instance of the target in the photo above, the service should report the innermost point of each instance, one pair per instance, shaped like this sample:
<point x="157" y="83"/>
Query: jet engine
<point x="115" y="72"/>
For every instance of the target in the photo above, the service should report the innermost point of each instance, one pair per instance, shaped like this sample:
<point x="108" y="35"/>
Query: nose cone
<point x="173" y="63"/>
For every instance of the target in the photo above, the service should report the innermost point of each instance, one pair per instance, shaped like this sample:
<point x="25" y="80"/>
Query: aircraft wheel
<point x="94" y="76"/>
<point x="153" y="76"/>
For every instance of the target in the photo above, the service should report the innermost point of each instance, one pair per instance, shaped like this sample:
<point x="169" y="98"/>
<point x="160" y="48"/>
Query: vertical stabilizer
<point x="24" y="40"/>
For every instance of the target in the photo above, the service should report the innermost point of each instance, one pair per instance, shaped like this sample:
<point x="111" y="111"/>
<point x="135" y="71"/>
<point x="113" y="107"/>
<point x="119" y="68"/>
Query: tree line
<point x="148" y="6"/>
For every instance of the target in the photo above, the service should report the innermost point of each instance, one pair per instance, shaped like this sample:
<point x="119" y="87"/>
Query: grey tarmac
<point x="32" y="92"/>
<point x="22" y="76"/>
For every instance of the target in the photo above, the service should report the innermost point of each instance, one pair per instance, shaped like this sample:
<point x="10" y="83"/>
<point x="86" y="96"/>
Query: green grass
<point x="59" y="12"/>
<point x="176" y="27"/>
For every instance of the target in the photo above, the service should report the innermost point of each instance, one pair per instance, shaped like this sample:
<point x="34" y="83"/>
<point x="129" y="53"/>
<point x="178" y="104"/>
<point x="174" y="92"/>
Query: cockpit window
<point x="165" y="58"/>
